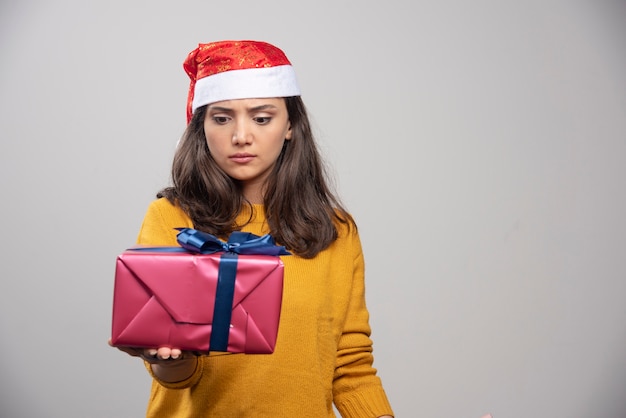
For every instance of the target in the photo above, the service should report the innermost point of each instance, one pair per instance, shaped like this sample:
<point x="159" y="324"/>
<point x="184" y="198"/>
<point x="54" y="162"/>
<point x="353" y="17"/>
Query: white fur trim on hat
<point x="279" y="81"/>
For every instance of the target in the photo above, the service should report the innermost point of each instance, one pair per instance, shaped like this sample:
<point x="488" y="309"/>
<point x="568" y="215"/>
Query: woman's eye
<point x="262" y="120"/>
<point x="220" y="119"/>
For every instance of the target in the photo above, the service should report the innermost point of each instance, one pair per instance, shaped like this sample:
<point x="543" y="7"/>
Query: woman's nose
<point x="242" y="134"/>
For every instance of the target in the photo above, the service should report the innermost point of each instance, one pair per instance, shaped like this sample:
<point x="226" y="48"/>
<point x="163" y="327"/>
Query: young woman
<point x="248" y="161"/>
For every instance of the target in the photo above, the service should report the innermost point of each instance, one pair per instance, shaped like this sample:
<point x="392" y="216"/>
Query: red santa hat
<point x="228" y="70"/>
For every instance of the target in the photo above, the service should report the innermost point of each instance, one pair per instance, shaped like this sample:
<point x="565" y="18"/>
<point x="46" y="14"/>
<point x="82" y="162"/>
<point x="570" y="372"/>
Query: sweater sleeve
<point x="357" y="390"/>
<point x="183" y="384"/>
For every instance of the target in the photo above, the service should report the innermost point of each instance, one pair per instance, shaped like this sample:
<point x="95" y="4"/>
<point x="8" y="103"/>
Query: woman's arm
<point x="357" y="389"/>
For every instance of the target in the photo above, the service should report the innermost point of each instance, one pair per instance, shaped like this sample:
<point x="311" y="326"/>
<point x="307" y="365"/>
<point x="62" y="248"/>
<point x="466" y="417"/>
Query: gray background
<point x="480" y="146"/>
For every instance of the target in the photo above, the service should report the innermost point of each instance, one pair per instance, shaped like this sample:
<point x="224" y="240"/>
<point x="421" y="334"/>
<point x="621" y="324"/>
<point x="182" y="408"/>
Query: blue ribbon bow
<point x="238" y="242"/>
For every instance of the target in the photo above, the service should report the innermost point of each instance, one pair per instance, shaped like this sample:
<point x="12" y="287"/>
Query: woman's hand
<point x="168" y="364"/>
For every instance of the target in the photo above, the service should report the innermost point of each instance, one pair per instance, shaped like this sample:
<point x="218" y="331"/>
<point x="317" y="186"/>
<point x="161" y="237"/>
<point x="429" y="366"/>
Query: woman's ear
<point x="288" y="134"/>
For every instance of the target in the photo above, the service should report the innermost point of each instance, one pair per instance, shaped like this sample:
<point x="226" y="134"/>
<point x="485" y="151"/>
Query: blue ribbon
<point x="238" y="242"/>
<point x="243" y="243"/>
<point x="223" y="308"/>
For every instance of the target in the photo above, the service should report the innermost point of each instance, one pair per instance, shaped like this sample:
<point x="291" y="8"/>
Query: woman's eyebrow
<point x="252" y="109"/>
<point x="262" y="107"/>
<point x="220" y="109"/>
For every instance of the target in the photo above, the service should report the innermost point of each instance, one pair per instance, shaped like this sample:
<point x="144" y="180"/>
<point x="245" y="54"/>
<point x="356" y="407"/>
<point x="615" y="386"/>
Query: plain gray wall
<point x="480" y="145"/>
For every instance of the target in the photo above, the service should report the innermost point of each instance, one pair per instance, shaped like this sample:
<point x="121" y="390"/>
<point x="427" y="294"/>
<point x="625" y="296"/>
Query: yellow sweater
<point x="323" y="353"/>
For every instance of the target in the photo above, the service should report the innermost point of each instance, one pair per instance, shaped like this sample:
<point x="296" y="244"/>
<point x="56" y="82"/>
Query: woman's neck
<point x="254" y="193"/>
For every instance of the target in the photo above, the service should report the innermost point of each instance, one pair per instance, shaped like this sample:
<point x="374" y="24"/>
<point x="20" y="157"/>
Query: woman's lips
<point x="241" y="158"/>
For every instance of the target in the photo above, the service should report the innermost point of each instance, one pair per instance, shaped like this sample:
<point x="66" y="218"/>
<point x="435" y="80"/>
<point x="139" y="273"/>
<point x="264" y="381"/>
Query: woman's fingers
<point x="153" y="355"/>
<point x="167" y="353"/>
<point x="176" y="353"/>
<point x="164" y="353"/>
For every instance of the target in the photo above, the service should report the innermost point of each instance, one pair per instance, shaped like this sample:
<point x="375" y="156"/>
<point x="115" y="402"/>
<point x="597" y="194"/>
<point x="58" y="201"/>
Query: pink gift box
<point x="168" y="299"/>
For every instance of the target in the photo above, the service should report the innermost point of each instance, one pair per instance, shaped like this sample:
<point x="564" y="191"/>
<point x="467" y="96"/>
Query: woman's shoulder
<point x="163" y="203"/>
<point x="160" y="221"/>
<point x="168" y="212"/>
<point x="345" y="224"/>
<point x="347" y="232"/>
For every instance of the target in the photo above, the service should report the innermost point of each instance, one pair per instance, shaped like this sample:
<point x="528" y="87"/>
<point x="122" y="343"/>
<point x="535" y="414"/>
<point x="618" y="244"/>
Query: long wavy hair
<point x="301" y="210"/>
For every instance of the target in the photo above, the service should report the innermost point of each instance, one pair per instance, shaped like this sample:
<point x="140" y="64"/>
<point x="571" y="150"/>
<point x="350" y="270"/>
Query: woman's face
<point x="245" y="138"/>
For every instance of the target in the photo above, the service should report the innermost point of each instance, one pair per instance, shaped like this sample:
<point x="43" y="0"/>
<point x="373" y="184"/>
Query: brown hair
<point x="301" y="210"/>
